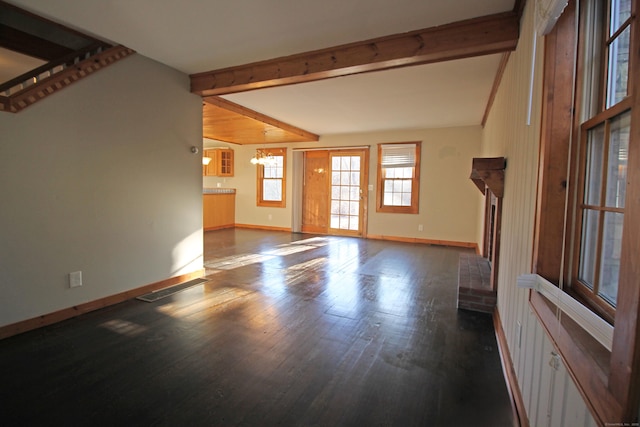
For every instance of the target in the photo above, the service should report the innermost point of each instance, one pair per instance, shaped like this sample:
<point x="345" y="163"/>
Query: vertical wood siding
<point x="550" y="396"/>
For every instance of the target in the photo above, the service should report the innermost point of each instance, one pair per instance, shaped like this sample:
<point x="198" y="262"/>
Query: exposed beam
<point x="31" y="45"/>
<point x="227" y="121"/>
<point x="496" y="85"/>
<point x="474" y="37"/>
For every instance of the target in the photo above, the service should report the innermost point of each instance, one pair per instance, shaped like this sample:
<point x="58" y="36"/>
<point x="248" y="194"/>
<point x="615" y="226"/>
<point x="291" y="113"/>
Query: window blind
<point x="398" y="156"/>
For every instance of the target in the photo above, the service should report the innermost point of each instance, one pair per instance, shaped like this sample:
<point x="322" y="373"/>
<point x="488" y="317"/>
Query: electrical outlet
<point x="420" y="227"/>
<point x="75" y="279"/>
<point x="270" y="217"/>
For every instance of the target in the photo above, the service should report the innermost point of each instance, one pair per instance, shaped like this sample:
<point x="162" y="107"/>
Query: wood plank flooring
<point x="290" y="330"/>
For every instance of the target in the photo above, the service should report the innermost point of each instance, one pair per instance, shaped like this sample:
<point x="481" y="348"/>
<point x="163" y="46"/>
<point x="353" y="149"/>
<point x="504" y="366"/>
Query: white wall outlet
<point x="420" y="227"/>
<point x="75" y="279"/>
<point x="370" y="187"/>
<point x="270" y="217"/>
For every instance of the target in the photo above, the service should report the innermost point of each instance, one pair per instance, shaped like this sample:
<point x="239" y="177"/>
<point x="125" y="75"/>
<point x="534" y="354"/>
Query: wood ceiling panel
<point x="226" y="121"/>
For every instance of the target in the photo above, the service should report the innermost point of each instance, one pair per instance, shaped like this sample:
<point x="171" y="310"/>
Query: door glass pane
<point x="354" y="208"/>
<point x="355" y="163"/>
<point x="335" y="192"/>
<point x="354" y="223"/>
<point x="610" y="260"/>
<point x="588" y="247"/>
<point x="335" y="207"/>
<point x="335" y="178"/>
<point x="617" y="164"/>
<point x="345" y="163"/>
<point x="593" y="175"/>
<point x="345" y="192"/>
<point x="354" y="193"/>
<point x="335" y="163"/>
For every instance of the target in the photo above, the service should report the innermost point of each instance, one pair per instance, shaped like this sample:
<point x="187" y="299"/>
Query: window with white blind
<point x="398" y="177"/>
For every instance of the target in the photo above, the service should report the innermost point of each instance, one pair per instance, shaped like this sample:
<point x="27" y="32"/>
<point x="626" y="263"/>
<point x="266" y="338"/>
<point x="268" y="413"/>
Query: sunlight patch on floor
<point x="284" y="250"/>
<point x="215" y="300"/>
<point x="124" y="327"/>
<point x="237" y="261"/>
<point x="315" y="241"/>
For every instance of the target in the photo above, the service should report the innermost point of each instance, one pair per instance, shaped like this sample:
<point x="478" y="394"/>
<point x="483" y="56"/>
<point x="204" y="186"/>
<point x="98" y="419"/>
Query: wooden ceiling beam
<point x="28" y="44"/>
<point x="474" y="37"/>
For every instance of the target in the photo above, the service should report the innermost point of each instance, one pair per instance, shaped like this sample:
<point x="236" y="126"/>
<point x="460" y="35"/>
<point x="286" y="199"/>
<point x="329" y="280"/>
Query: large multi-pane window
<point x="271" y="178"/>
<point x="590" y="133"/>
<point x="604" y="150"/>
<point x="398" y="177"/>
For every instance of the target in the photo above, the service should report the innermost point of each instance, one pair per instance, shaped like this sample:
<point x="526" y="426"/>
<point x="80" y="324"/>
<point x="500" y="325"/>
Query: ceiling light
<point x="263" y="158"/>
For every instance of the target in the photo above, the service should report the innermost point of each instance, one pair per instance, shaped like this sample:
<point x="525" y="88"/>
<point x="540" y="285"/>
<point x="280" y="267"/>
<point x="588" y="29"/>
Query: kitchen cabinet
<point x="221" y="163"/>
<point x="218" y="208"/>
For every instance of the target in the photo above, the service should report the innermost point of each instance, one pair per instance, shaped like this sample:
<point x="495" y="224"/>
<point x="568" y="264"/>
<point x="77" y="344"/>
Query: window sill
<point x="397" y="209"/>
<point x="586" y="360"/>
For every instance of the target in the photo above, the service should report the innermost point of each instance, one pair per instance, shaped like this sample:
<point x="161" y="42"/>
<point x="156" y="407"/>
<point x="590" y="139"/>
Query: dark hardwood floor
<point x="291" y="330"/>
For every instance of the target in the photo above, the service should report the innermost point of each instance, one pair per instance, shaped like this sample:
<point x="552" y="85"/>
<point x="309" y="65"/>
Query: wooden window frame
<point x="606" y="380"/>
<point x="590" y="296"/>
<point x="260" y="177"/>
<point x="415" y="183"/>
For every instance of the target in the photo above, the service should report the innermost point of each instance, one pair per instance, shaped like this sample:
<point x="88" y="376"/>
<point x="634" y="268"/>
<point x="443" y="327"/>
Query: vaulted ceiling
<point x="198" y="36"/>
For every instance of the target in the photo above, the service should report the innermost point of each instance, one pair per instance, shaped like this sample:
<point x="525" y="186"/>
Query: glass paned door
<point x="347" y="193"/>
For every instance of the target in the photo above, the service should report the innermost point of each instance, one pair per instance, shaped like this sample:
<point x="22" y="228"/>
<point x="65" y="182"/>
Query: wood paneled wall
<point x="513" y="131"/>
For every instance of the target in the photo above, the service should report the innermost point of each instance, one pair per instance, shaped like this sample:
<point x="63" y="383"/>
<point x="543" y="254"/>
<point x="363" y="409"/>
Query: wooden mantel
<point x="489" y="172"/>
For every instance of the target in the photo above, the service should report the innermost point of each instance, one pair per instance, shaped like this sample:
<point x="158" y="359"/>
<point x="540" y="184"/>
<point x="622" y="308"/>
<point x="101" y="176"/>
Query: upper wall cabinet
<point x="221" y="163"/>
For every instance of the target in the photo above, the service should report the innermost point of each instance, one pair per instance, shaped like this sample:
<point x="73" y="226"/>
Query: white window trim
<point x="598" y="328"/>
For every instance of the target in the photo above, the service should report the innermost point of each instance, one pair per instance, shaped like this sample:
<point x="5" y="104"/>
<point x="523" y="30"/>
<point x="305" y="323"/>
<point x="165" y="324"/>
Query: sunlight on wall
<point x="187" y="255"/>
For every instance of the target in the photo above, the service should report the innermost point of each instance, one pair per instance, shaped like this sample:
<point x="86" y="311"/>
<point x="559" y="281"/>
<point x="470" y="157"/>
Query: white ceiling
<point x="201" y="35"/>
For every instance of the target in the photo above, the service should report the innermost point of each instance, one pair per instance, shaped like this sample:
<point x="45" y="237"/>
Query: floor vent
<point x="163" y="293"/>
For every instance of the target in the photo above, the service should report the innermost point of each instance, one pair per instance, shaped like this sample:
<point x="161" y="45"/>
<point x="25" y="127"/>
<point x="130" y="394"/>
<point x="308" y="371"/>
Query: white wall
<point x="99" y="178"/>
<point x="550" y="396"/>
<point x="449" y="201"/>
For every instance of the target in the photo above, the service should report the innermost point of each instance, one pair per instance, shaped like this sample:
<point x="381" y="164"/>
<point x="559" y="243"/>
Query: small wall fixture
<point x="195" y="150"/>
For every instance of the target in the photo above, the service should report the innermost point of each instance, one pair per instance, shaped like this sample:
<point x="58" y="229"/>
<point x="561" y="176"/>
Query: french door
<point x="335" y="192"/>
